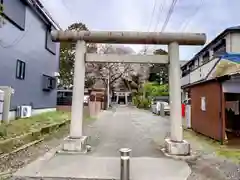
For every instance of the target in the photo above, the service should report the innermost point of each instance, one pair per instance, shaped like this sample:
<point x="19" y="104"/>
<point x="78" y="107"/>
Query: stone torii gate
<point x="175" y="145"/>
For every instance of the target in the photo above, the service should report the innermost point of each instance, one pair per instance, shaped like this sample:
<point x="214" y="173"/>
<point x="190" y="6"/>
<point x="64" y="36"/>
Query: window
<point x="203" y="103"/>
<point x="206" y="57"/>
<point x="185" y="71"/>
<point x="15" y="12"/>
<point x="50" y="45"/>
<point x="200" y="61"/>
<point x="20" y="70"/>
<point x="196" y="63"/>
<point x="220" y="47"/>
<point x="191" y="65"/>
<point x="49" y="83"/>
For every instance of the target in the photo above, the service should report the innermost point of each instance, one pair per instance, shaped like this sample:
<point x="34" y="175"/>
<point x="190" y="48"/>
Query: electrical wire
<point x="150" y="23"/>
<point x="152" y="15"/>
<point x="169" y="14"/>
<point x="184" y="27"/>
<point x="159" y="15"/>
<point x="158" y="18"/>
<point x="68" y="9"/>
<point x="18" y="39"/>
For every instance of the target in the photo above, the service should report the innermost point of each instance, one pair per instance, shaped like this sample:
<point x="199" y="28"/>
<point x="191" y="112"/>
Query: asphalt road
<point x="127" y="127"/>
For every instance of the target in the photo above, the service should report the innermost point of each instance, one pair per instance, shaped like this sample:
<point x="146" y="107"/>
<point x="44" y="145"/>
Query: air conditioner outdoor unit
<point x="24" y="111"/>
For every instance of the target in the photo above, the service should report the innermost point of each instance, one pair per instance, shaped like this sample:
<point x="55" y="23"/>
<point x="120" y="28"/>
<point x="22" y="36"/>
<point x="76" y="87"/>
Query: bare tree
<point x="111" y="72"/>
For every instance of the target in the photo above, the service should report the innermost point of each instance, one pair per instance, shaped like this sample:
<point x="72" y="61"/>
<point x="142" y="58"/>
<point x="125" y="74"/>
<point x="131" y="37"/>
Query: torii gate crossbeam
<point x="175" y="145"/>
<point x="130" y="37"/>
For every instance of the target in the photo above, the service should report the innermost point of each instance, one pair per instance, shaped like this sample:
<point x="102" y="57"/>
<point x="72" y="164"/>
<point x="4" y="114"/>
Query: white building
<point x="200" y="66"/>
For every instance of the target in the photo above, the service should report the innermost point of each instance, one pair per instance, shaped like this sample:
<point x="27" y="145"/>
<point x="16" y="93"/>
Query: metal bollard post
<point x="125" y="163"/>
<point x="162" y="112"/>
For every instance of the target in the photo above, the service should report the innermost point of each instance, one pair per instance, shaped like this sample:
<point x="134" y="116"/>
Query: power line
<point x="159" y="15"/>
<point x="169" y="14"/>
<point x="192" y="15"/>
<point x="68" y="9"/>
<point x="160" y="9"/>
<point x="170" y="11"/>
<point x="152" y="15"/>
<point x="150" y="23"/>
<point x="19" y="38"/>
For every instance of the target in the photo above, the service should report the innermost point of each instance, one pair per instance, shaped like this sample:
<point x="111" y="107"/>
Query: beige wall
<point x="234" y="41"/>
<point x="228" y="43"/>
<point x="185" y="80"/>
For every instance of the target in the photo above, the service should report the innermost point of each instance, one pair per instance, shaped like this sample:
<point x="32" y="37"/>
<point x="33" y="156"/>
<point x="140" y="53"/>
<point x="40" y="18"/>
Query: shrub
<point x="141" y="102"/>
<point x="145" y="103"/>
<point x="3" y="131"/>
<point x="136" y="100"/>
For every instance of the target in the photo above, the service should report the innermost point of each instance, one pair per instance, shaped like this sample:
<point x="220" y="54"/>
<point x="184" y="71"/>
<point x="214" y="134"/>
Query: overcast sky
<point x="204" y="16"/>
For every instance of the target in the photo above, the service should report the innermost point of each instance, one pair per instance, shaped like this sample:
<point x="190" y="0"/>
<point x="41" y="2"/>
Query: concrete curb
<point x="22" y="147"/>
<point x="192" y="157"/>
<point x="36" y="166"/>
<point x="22" y="141"/>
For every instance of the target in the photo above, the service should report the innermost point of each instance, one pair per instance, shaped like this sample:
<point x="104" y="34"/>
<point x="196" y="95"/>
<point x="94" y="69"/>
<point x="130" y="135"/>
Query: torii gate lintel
<point x="175" y="145"/>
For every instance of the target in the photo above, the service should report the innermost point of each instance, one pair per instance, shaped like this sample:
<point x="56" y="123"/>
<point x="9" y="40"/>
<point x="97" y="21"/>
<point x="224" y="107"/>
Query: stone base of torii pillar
<point x="177" y="148"/>
<point x="75" y="145"/>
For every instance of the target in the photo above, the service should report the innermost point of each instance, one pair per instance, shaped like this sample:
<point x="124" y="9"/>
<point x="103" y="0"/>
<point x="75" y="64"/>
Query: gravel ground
<point x="18" y="160"/>
<point x="210" y="167"/>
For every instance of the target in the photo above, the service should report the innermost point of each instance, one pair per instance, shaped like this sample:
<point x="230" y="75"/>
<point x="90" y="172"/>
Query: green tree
<point x="154" y="89"/>
<point x="159" y="72"/>
<point x="67" y="57"/>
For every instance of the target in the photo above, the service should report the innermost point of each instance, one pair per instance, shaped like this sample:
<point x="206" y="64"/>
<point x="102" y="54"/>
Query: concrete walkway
<point x="120" y="127"/>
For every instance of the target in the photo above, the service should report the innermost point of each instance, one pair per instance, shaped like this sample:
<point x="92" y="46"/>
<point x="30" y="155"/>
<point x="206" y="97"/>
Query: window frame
<point x="220" y="47"/>
<point x="48" y="33"/>
<point x="47" y="80"/>
<point x="20" y="69"/>
<point x="12" y="21"/>
<point x="204" y="56"/>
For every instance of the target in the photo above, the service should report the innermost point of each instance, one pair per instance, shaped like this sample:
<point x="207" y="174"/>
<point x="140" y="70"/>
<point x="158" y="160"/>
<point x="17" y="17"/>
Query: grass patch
<point x="209" y="145"/>
<point x="34" y="123"/>
<point x="23" y="131"/>
<point x="201" y="140"/>
<point x="232" y="154"/>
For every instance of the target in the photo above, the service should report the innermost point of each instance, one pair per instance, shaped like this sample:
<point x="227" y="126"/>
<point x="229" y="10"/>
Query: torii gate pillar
<point x="76" y="141"/>
<point x="174" y="145"/>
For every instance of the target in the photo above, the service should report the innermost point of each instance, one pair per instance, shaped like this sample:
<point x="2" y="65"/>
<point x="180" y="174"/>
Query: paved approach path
<point x="127" y="127"/>
<point x="120" y="127"/>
